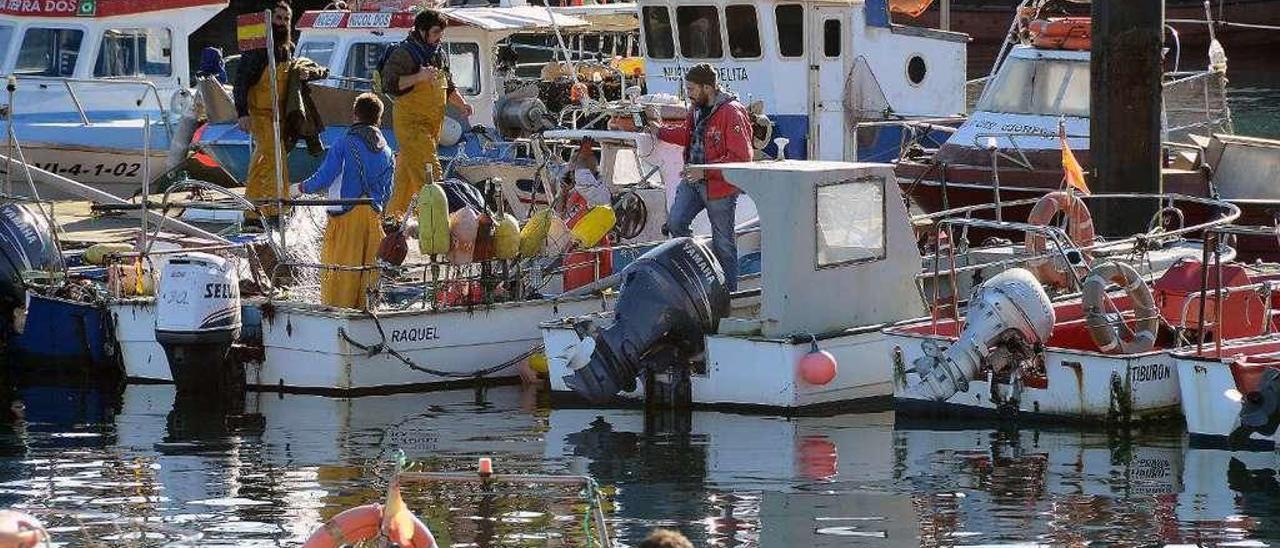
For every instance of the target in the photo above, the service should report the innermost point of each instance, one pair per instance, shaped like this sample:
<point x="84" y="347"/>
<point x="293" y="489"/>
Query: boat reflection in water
<point x="125" y="466"/>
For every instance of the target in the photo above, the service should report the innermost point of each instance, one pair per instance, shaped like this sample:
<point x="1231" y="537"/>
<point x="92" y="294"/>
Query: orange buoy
<point x="394" y="522"/>
<point x="1072" y="33"/>
<point x="1079" y="229"/>
<point x="818" y="367"/>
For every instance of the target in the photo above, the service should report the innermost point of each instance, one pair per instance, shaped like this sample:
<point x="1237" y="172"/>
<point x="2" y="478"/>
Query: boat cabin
<point x="352" y="42"/>
<point x="86" y="56"/>
<point x="821" y="67"/>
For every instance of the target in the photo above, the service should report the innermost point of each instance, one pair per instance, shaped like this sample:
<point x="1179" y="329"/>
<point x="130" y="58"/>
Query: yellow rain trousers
<point x="262" y="168"/>
<point x="350" y="239"/>
<point x="417" y="120"/>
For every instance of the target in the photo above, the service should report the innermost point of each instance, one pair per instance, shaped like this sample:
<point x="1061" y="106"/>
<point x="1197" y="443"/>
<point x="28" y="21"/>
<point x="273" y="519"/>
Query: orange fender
<point x="1079" y="229"/>
<point x="364" y="523"/>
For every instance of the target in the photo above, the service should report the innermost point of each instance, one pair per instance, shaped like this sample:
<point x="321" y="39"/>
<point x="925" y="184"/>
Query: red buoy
<point x="818" y="367"/>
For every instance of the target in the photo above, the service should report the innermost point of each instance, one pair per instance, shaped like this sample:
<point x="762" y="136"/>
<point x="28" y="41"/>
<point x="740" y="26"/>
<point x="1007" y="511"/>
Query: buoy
<point x="463" y="225"/>
<point x="507" y="236"/>
<point x="433" y="220"/>
<point x="364" y="523"/>
<point x="538" y="363"/>
<point x="558" y="237"/>
<point x="594" y="225"/>
<point x="486" y="239"/>
<point x="533" y="237"/>
<point x="578" y="92"/>
<point x="97" y="253"/>
<point x="818" y="367"/>
<point x="486" y="467"/>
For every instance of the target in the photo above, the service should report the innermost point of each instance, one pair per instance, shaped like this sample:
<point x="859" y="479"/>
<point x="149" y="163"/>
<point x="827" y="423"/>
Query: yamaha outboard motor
<point x="197" y="319"/>
<point x="1259" y="409"/>
<point x="26" y="244"/>
<point x="671" y="297"/>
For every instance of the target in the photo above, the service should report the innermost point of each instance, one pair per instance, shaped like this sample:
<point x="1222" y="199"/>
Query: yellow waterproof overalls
<point x="350" y="239"/>
<point x="262" y="168"/>
<point x="417" y="120"/>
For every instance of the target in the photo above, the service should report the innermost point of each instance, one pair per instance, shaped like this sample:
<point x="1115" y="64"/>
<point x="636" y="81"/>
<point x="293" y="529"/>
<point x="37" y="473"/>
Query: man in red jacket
<point x="717" y="131"/>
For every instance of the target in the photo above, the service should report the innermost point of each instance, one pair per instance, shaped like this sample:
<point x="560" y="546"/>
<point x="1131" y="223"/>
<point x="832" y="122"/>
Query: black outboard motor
<point x="671" y="297"/>
<point x="1259" y="409"/>
<point x="26" y="243"/>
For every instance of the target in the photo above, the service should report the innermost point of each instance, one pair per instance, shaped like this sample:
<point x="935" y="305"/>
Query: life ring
<point x="1071" y="33"/>
<point x="361" y="524"/>
<point x="1079" y="229"/>
<point x="1106" y="334"/>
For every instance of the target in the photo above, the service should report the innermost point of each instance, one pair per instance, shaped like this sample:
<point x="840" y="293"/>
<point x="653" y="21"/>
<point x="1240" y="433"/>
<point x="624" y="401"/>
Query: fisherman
<point x="351" y="238"/>
<point x="416" y="73"/>
<point x="717" y="131"/>
<point x="252" y="94"/>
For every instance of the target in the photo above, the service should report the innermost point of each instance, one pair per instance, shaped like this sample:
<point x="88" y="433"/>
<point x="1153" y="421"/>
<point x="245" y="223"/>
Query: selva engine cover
<point x="26" y="244"/>
<point x="197" y="293"/>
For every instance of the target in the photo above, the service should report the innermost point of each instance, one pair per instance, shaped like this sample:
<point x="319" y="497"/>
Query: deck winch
<point x="672" y="296"/>
<point x="197" y="319"/>
<point x="1009" y="314"/>
<point x="27" y="244"/>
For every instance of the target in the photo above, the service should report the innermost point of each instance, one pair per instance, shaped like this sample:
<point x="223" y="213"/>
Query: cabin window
<point x="744" y="31"/>
<point x="49" y="52"/>
<point x="831" y="38"/>
<point x="699" y="32"/>
<point x="1054" y="87"/>
<point x="6" y="35"/>
<point x="319" y="51"/>
<point x="362" y="59"/>
<point x="850" y="222"/>
<point x="464" y="66"/>
<point x="134" y="52"/>
<point x="790" y="23"/>
<point x="657" y="32"/>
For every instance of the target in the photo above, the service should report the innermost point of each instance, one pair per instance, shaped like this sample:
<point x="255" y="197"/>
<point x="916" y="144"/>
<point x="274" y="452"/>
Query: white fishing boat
<point x="1090" y="356"/>
<point x="821" y="68"/>
<point x="829" y="230"/>
<point x="86" y="77"/>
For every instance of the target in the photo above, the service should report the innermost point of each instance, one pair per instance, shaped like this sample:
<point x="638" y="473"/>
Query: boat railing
<point x="986" y="140"/>
<point x="150" y="90"/>
<point x="1213" y="257"/>
<point x="1194" y="100"/>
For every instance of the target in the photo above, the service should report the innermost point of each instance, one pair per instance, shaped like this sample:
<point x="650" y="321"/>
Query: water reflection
<point x="136" y="466"/>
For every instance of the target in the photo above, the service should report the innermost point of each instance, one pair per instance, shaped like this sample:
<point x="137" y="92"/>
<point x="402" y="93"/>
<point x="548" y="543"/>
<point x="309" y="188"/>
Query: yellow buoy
<point x="534" y="234"/>
<point x="97" y="253"/>
<point x="593" y="226"/>
<point x="538" y="363"/>
<point x="507" y="246"/>
<point x="433" y="221"/>
<point x="630" y="66"/>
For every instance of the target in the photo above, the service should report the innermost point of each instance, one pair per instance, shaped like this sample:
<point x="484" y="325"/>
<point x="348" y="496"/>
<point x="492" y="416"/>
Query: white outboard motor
<point x="197" y="319"/>
<point x="1011" y="311"/>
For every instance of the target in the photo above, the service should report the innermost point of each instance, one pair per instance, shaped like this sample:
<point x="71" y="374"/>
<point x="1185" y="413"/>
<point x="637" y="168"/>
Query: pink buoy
<point x="818" y="367"/>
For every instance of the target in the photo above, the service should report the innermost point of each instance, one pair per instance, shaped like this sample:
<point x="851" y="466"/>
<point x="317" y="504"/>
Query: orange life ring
<point x="364" y="523"/>
<point x="1072" y="33"/>
<point x="1079" y="229"/>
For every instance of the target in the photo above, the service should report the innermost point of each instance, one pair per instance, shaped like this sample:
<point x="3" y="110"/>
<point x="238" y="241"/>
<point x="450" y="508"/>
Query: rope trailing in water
<point x="382" y="347"/>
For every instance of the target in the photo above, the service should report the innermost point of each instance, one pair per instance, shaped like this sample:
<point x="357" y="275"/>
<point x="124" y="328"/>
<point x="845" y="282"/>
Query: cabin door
<point x="828" y="50"/>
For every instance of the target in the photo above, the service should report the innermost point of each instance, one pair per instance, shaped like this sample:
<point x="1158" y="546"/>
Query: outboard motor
<point x="1010" y="313"/>
<point x="671" y="297"/>
<point x="197" y="319"/>
<point x="519" y="117"/>
<point x="1259" y="409"/>
<point x="27" y="244"/>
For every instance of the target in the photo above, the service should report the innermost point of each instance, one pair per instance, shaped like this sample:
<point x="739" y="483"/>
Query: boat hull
<point x="313" y="349"/>
<point x="1078" y="386"/>
<point x="59" y="331"/>
<point x="134" y="322"/>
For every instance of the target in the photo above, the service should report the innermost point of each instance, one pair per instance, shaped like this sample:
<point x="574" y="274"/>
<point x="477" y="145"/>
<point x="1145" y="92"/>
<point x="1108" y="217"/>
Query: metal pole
<point x="995" y="176"/>
<point x="944" y="15"/>
<point x="146" y="177"/>
<point x="276" y="145"/>
<point x="8" y="122"/>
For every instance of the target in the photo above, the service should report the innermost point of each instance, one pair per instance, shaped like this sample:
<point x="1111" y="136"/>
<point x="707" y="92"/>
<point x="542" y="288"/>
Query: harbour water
<point x="110" y="466"/>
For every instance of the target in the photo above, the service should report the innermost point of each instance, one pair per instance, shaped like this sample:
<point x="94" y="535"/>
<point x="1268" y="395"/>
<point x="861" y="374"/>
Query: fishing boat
<point x="495" y="56"/>
<point x="1087" y="356"/>
<point x="97" y="89"/>
<point x="820" y="68"/>
<point x="840" y="227"/>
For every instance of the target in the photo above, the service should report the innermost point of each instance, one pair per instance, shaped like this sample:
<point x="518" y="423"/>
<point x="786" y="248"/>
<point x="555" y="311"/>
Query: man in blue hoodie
<point x="359" y="164"/>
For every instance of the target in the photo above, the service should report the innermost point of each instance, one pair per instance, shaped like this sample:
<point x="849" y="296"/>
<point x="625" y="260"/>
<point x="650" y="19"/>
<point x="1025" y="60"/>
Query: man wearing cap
<point x="717" y="131"/>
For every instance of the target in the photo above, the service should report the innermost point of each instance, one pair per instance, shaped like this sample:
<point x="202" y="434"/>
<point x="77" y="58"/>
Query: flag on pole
<point x="1070" y="167"/>
<point x="251" y="31"/>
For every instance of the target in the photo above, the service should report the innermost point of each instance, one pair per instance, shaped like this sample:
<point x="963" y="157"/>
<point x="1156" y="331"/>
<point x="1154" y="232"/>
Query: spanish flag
<point x="1071" y="169"/>
<point x="251" y="31"/>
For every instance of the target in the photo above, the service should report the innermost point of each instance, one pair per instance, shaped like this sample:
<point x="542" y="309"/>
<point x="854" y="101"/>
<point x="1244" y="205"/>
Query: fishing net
<point x="304" y="235"/>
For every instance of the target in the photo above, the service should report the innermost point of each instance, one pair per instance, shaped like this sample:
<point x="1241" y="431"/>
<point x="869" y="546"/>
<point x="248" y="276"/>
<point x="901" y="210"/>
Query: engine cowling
<point x="27" y="244"/>
<point x="671" y="297"/>
<point x="1011" y="307"/>
<point x="197" y="319"/>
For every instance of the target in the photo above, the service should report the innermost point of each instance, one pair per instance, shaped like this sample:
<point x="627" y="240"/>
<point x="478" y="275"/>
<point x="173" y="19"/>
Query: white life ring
<point x="1117" y="337"/>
